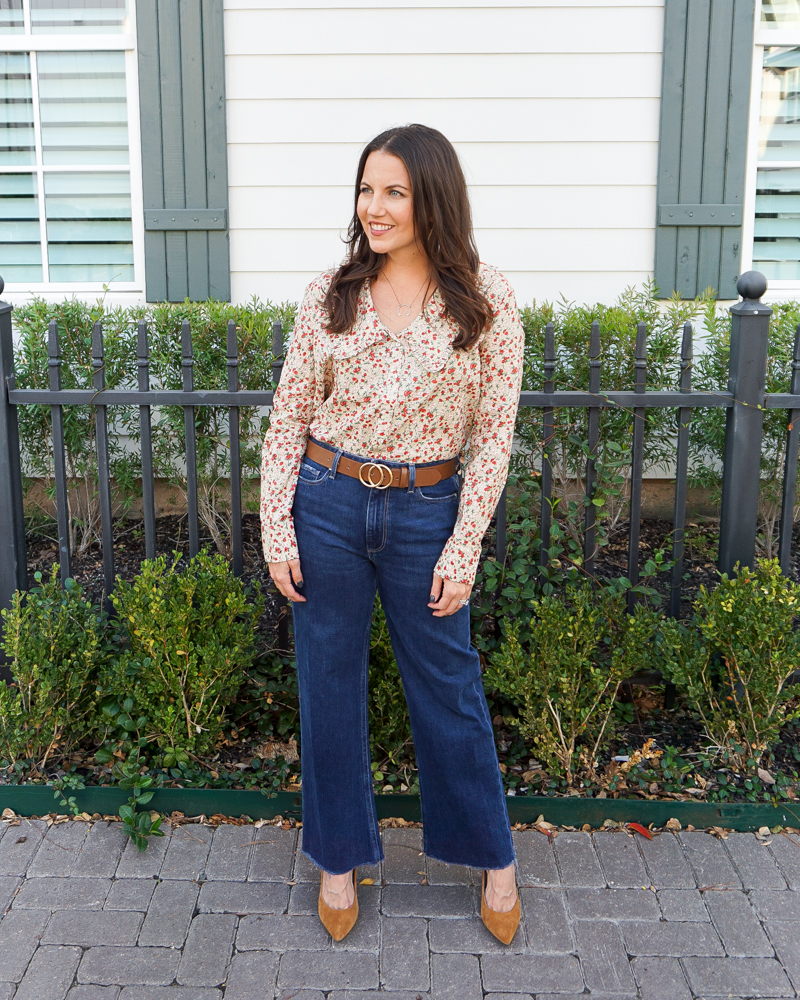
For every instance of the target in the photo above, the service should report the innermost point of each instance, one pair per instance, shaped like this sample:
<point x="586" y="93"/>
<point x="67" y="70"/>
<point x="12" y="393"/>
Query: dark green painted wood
<point x="184" y="161"/>
<point x="38" y="800"/>
<point x="152" y="154"/>
<point x="216" y="145"/>
<point x="703" y="140"/>
<point x="700" y="215"/>
<point x="194" y="140"/>
<point x="669" y="156"/>
<point x="738" y="116"/>
<point x="186" y="219"/>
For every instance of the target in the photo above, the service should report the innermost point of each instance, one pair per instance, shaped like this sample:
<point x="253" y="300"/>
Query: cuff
<point x="279" y="542"/>
<point x="459" y="561"/>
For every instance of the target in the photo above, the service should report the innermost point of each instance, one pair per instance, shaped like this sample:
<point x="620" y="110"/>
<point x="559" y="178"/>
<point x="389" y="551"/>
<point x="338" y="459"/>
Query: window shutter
<point x="184" y="151"/>
<point x="705" y="97"/>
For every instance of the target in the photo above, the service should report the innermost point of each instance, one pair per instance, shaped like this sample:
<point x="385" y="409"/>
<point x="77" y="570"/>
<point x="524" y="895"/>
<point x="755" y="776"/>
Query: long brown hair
<point x="443" y="227"/>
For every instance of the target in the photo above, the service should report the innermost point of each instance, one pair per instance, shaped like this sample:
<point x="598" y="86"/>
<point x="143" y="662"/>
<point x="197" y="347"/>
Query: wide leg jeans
<point x="354" y="541"/>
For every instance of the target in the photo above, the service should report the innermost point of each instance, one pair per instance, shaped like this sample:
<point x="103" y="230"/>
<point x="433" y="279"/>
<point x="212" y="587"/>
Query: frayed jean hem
<point x="322" y="868"/>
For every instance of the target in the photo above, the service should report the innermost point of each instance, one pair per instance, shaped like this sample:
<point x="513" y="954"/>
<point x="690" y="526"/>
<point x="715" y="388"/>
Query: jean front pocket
<point x="312" y="473"/>
<point x="447" y="489"/>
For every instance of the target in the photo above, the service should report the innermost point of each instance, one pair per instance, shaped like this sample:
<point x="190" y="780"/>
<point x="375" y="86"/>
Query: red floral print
<point x="406" y="397"/>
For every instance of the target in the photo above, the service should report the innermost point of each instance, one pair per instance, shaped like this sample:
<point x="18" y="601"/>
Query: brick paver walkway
<point x="206" y="914"/>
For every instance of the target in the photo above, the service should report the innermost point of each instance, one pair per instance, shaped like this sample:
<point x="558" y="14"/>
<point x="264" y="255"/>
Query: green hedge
<point x="572" y="323"/>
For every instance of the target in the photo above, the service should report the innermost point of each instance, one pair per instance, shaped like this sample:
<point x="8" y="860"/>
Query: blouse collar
<point x="429" y="337"/>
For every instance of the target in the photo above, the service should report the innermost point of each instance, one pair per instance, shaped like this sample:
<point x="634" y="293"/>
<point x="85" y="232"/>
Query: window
<point x="65" y="150"/>
<point x="777" y="14"/>
<point x="776" y="238"/>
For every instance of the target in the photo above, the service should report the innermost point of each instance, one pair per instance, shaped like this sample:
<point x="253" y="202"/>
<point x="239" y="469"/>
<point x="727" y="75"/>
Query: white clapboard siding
<point x="342" y="77"/>
<point x="519" y="207"/>
<point x="248" y="5"/>
<point x="553" y="109"/>
<point x="618" y="164"/>
<point x="529" y="286"/>
<point x="479" y="30"/>
<point x="505" y="120"/>
<point x="542" y="249"/>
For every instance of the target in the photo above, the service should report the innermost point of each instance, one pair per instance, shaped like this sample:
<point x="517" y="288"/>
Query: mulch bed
<point x="674" y="727"/>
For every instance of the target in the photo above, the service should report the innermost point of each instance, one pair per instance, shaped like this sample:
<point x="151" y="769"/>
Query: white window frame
<point x="89" y="42"/>
<point x="764" y="38"/>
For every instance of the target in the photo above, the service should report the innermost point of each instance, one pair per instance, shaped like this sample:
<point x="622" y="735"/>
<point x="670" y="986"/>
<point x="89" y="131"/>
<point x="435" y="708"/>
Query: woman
<point x="404" y="361"/>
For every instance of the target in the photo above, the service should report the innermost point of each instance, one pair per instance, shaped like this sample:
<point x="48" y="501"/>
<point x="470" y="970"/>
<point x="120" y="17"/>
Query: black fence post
<point x="13" y="563"/>
<point x="741" y="474"/>
<point x="277" y="351"/>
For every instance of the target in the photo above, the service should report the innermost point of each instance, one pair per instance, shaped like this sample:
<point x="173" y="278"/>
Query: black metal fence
<point x="744" y="401"/>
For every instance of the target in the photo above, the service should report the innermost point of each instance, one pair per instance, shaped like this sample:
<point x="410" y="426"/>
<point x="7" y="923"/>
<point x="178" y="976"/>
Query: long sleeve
<point x="489" y="445"/>
<point x="296" y="400"/>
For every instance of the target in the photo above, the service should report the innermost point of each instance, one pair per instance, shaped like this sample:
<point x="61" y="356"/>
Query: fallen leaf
<point x="640" y="829"/>
<point x="764" y="831"/>
<point x="274" y="748"/>
<point x="765" y="776"/>
<point x="718" y="832"/>
<point x="503" y="768"/>
<point x="8" y="814"/>
<point x="367" y="881"/>
<point x="673" y="824"/>
<point x="529" y="776"/>
<point x="20" y="840"/>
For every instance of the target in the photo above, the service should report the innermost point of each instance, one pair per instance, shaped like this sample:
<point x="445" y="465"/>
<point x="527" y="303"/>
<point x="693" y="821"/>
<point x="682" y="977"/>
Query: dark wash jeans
<point x="353" y="540"/>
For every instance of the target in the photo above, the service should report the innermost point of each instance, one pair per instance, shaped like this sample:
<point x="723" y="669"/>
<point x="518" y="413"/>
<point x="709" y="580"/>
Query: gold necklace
<point x="405" y="305"/>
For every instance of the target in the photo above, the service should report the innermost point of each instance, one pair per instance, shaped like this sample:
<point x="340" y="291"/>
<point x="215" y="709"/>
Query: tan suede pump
<point x="502" y="925"/>
<point x="338" y="923"/>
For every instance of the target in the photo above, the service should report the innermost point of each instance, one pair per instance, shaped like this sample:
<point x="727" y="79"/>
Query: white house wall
<point x="553" y="109"/>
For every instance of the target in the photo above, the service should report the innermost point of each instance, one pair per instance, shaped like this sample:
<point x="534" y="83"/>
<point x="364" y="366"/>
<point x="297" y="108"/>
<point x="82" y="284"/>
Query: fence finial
<point x="751" y="285"/>
<point x="2" y="284"/>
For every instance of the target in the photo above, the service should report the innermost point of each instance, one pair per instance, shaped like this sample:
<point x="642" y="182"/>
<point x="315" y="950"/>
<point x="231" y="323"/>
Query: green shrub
<point x="708" y="425"/>
<point x="190" y="635"/>
<point x="209" y="321"/>
<point x="734" y="662"/>
<point x="55" y="641"/>
<point x="389" y="726"/>
<point x="75" y="321"/>
<point x="563" y="670"/>
<point x="568" y="450"/>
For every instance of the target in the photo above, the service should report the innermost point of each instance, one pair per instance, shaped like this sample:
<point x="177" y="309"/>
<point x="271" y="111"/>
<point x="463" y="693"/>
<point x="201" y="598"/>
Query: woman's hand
<point x="447" y="596"/>
<point x="287" y="576"/>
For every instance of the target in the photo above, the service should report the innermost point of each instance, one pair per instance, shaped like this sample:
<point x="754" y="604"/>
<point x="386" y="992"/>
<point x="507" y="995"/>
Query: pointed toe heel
<point x="338" y="923"/>
<point x="502" y="925"/>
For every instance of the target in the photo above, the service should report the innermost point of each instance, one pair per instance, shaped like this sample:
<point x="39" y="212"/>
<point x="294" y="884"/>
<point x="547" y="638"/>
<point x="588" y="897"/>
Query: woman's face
<point x="385" y="205"/>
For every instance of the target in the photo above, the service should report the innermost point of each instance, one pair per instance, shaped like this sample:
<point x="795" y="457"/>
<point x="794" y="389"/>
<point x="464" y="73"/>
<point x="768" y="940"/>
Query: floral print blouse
<point x="406" y="397"/>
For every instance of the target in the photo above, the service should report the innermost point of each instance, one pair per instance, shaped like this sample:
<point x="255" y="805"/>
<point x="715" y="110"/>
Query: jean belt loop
<point x="412" y="477"/>
<point x="335" y="463"/>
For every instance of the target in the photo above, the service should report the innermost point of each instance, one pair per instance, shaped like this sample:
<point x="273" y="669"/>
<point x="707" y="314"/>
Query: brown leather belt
<point x="378" y="476"/>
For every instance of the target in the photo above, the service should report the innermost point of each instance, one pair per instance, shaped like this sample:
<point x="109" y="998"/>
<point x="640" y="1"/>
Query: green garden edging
<point x="37" y="800"/>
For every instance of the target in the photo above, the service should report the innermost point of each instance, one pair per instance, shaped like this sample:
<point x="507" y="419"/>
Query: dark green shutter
<point x="705" y="97"/>
<point x="184" y="149"/>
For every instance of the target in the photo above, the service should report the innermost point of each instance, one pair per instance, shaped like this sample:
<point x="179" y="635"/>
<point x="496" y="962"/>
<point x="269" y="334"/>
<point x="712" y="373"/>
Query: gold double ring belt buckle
<point x="379" y="477"/>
